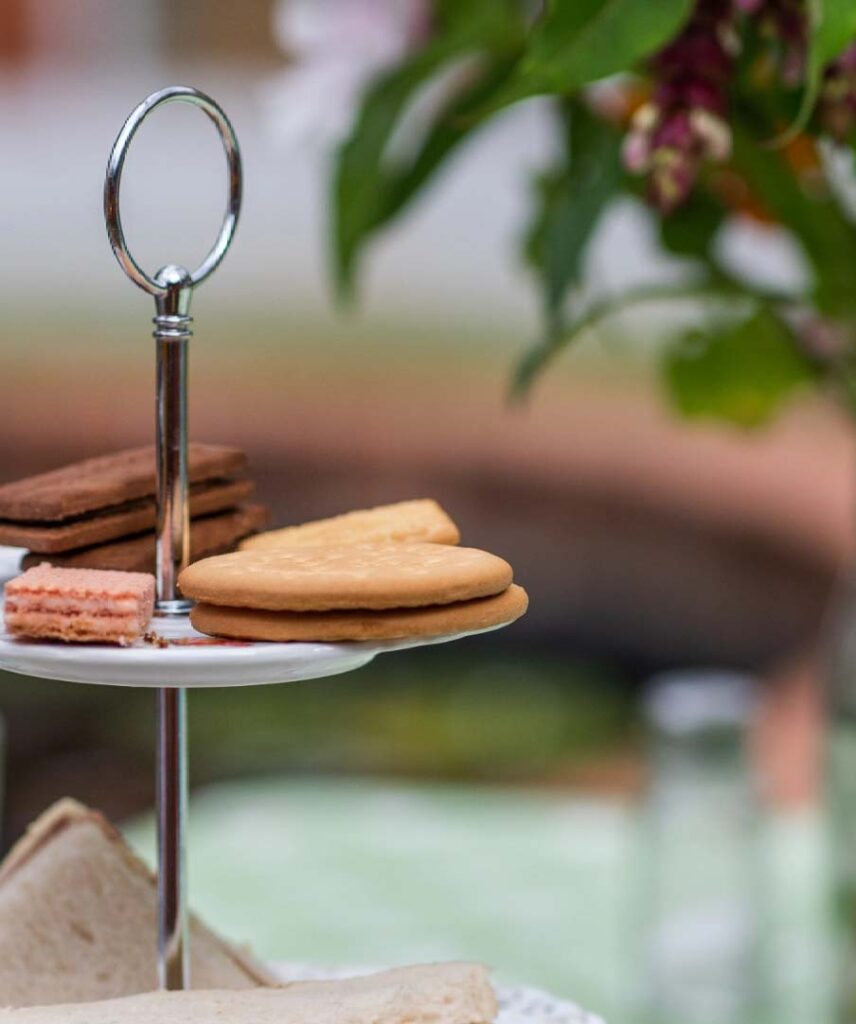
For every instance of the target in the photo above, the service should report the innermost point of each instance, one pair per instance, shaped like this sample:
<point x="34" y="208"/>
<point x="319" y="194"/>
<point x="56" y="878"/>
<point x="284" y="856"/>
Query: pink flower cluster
<point x="683" y="124"/>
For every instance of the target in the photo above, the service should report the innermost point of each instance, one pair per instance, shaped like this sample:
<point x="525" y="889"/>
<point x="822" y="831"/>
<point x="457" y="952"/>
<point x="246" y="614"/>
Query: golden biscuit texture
<point x="335" y="626"/>
<point x="381" y="575"/>
<point x="419" y="520"/>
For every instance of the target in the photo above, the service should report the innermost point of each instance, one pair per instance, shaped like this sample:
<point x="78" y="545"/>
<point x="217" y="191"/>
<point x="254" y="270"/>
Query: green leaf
<point x="691" y="228"/>
<point x="581" y="41"/>
<point x="742" y="373"/>
<point x="832" y="27"/>
<point x="359" y="182"/>
<point x="572" y="197"/>
<point x="540" y="355"/>
<point x="809" y="212"/>
<point x="362" y="186"/>
<point x="453" y="124"/>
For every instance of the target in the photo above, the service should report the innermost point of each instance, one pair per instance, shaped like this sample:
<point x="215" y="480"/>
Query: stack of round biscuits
<point x="376" y="590"/>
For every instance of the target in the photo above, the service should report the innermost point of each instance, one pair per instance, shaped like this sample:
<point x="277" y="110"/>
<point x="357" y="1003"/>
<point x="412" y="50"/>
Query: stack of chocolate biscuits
<point x="100" y="513"/>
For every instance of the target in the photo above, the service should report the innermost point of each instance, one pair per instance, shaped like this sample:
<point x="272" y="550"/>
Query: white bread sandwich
<point x="453" y="993"/>
<point x="77" y="918"/>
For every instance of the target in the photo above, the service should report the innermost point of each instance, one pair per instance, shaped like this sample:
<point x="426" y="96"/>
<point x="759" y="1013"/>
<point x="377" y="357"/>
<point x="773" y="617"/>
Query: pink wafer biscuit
<point x="79" y="605"/>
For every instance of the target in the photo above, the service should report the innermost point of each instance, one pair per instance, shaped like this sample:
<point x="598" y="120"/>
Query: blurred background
<point x="618" y="794"/>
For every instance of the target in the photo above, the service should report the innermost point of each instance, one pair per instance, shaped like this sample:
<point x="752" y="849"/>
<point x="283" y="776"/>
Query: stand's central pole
<point x="172" y="332"/>
<point x="172" y="287"/>
<point x="173" y="950"/>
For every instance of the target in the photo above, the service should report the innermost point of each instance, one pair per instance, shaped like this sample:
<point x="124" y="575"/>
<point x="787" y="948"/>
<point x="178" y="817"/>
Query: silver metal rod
<point x="172" y="288"/>
<point x="173" y="947"/>
<point x="172" y="333"/>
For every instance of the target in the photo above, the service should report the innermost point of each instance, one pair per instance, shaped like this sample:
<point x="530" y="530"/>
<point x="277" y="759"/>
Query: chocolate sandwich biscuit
<point x="120" y="521"/>
<point x="105" y="482"/>
<point x="209" y="535"/>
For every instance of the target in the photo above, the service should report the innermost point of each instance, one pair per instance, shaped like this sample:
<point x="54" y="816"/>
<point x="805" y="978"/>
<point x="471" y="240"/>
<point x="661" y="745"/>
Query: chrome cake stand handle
<point x="172" y="288"/>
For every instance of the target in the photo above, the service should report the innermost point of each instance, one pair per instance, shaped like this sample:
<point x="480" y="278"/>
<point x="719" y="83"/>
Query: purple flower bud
<point x="685" y="121"/>
<point x="675" y="132"/>
<point x="713" y="134"/>
<point x="646" y="118"/>
<point x="672" y="178"/>
<point x="700" y="53"/>
<point x="704" y="95"/>
<point x="636" y="152"/>
<point x="668" y="93"/>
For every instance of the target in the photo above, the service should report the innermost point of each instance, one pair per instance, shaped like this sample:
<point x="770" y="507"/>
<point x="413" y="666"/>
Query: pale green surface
<point x="541" y="886"/>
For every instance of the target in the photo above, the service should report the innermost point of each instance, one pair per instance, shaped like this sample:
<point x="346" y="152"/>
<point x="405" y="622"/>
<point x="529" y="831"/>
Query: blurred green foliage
<point x="432" y="714"/>
<point x="738" y="373"/>
<point x="748" y="142"/>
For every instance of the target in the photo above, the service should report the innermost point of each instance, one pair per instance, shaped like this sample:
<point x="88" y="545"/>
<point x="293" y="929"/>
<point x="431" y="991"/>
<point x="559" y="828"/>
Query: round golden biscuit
<point x="381" y="575"/>
<point x="337" y="626"/>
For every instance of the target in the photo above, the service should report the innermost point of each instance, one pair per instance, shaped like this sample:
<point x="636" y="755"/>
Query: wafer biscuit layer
<point x="79" y="605"/>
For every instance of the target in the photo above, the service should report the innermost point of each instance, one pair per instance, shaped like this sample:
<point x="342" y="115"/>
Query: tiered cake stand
<point x="180" y="659"/>
<point x="188" y="661"/>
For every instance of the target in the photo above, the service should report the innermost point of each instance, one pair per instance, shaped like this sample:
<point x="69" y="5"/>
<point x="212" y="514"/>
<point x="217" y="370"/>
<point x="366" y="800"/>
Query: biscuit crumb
<point x="207" y="641"/>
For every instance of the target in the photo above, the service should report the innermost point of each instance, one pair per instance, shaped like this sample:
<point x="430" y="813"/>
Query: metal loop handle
<point x="172" y="94"/>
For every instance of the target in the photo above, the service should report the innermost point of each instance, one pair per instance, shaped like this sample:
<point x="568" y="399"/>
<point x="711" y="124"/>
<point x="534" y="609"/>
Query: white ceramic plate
<point x="10" y="562"/>
<point x="196" y="660"/>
